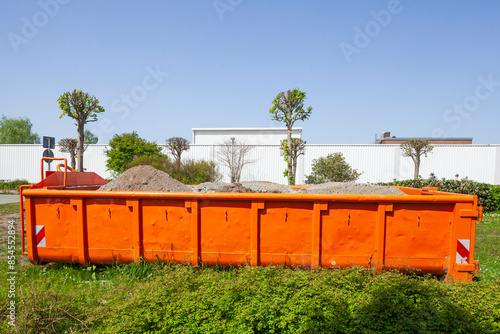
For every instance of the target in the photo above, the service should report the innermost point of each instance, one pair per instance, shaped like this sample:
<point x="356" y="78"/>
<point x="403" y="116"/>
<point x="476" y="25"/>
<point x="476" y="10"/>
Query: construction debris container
<point x="428" y="230"/>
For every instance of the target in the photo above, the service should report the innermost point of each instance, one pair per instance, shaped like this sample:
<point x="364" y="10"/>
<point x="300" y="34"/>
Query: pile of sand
<point x="352" y="188"/>
<point x="148" y="178"/>
<point x="145" y="178"/>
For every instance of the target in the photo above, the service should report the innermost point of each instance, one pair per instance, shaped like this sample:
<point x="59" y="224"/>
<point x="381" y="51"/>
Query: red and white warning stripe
<point x="40" y="235"/>
<point x="463" y="250"/>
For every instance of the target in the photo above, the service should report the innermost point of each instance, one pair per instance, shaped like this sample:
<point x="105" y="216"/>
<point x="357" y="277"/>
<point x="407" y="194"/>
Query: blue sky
<point x="414" y="68"/>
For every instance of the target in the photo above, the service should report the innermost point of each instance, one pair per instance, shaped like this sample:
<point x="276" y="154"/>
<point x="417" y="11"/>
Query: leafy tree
<point x="17" y="131"/>
<point x="288" y="107"/>
<point x="234" y="157"/>
<point x="83" y="108"/>
<point x="332" y="168"/>
<point x="89" y="138"/>
<point x="176" y="146"/>
<point x="123" y="148"/>
<point x="415" y="148"/>
<point x="298" y="148"/>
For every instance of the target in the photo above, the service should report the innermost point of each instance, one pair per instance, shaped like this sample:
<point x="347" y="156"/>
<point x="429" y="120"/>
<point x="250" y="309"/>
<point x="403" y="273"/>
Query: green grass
<point x="6" y="209"/>
<point x="175" y="298"/>
<point x="487" y="249"/>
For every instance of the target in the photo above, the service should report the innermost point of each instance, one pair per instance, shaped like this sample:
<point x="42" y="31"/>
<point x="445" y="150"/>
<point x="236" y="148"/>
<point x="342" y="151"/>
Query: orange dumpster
<point x="428" y="230"/>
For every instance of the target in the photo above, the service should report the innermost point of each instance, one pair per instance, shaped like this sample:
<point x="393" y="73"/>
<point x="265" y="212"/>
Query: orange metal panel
<point x="225" y="232"/>
<point x="417" y="231"/>
<point x="348" y="236"/>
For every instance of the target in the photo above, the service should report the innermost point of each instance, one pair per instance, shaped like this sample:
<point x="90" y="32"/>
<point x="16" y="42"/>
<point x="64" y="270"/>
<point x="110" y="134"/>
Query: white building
<point x="247" y="136"/>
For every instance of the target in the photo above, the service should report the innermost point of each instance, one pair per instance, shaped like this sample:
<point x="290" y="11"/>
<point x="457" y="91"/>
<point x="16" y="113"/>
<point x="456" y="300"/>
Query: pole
<point x="232" y="159"/>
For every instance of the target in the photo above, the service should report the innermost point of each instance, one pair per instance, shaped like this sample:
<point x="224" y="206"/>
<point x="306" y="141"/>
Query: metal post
<point x="232" y="159"/>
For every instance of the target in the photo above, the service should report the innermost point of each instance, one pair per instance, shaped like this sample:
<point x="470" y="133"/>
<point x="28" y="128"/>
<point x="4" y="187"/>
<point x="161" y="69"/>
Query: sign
<point x="49" y="142"/>
<point x="48" y="154"/>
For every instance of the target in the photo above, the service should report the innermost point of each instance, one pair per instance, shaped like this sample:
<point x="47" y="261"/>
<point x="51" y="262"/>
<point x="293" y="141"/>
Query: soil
<point x="351" y="188"/>
<point x="21" y="260"/>
<point x="145" y="178"/>
<point x="148" y="178"/>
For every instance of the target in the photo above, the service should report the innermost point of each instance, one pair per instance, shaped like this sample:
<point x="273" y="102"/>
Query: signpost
<point x="48" y="143"/>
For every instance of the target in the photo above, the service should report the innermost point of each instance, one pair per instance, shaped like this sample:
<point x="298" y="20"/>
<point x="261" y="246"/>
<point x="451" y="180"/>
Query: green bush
<point x="189" y="172"/>
<point x="11" y="185"/>
<point x="123" y="148"/>
<point x="332" y="168"/>
<point x="484" y="192"/>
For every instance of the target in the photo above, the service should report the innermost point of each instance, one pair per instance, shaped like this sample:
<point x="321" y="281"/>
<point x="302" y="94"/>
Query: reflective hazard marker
<point x="463" y="247"/>
<point x="40" y="235"/>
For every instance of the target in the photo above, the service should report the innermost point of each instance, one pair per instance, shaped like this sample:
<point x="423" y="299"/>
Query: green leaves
<point x="80" y="106"/>
<point x="288" y="107"/>
<point x="17" y="131"/>
<point x="332" y="168"/>
<point x="123" y="148"/>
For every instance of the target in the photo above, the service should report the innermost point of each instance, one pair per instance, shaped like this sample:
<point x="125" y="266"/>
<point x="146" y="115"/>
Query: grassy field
<point x="173" y="298"/>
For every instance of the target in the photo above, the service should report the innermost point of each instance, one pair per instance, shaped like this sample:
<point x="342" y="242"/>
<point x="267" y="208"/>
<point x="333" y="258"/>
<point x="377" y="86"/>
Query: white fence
<point x="379" y="163"/>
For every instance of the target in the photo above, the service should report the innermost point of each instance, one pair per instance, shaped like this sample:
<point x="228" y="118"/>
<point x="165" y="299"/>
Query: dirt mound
<point x="145" y="178"/>
<point x="351" y="188"/>
<point x="244" y="187"/>
<point x="268" y="187"/>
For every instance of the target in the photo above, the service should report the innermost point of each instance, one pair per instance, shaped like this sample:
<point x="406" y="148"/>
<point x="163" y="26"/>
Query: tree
<point x="288" y="107"/>
<point x="298" y="148"/>
<point x="332" y="168"/>
<point x="89" y="138"/>
<point x="176" y="146"/>
<point x="233" y="155"/>
<point x="70" y="145"/>
<point x="17" y="131"/>
<point x="83" y="108"/>
<point x="123" y="148"/>
<point x="415" y="148"/>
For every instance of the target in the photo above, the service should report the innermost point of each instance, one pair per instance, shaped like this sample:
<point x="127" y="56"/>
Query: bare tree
<point x="233" y="155"/>
<point x="176" y="146"/>
<point x="415" y="148"/>
<point x="70" y="145"/>
<point x="297" y="149"/>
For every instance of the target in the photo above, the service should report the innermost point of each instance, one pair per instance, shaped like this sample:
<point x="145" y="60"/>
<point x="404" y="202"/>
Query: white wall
<point x="379" y="163"/>
<point x="247" y="136"/>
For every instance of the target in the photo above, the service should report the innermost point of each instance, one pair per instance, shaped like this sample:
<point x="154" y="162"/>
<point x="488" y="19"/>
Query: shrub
<point x="332" y="168"/>
<point x="124" y="147"/>
<point x="484" y="192"/>
<point x="10" y="185"/>
<point x="189" y="172"/>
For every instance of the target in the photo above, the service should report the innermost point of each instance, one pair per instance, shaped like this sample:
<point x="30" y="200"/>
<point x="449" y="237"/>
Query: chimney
<point x="386" y="135"/>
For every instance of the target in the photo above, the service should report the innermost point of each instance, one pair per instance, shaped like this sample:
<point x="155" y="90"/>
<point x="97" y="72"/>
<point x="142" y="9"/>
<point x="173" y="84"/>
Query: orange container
<point x="428" y="230"/>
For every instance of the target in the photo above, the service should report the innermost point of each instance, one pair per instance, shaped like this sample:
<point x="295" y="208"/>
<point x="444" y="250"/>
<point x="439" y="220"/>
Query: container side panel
<point x="286" y="232"/>
<point x="166" y="230"/>
<point x="109" y="230"/>
<point x="418" y="236"/>
<point x="348" y="234"/>
<point x="55" y="237"/>
<point x="225" y="232"/>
